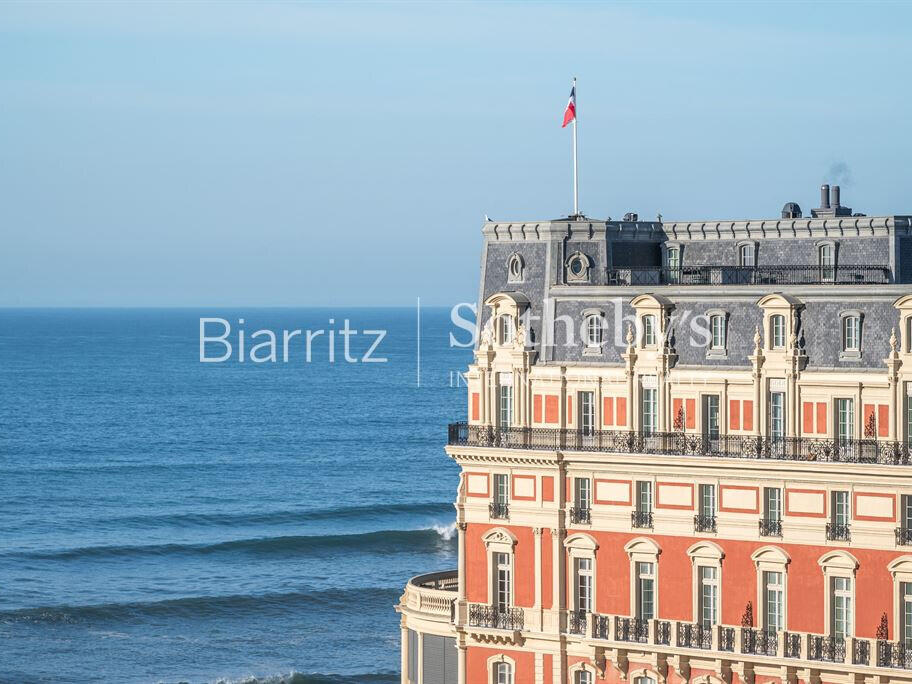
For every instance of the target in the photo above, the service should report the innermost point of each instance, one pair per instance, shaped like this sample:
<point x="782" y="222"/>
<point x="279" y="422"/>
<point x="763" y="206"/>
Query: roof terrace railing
<point x="751" y="275"/>
<point x="683" y="444"/>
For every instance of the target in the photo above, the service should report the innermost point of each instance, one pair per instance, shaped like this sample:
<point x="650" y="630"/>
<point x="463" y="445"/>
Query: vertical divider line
<point x="418" y="350"/>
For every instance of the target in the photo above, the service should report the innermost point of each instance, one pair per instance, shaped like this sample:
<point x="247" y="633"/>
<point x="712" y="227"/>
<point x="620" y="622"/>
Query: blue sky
<point x="283" y="154"/>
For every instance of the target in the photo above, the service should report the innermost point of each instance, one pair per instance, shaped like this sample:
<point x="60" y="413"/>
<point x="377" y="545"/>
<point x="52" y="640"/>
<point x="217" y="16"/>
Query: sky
<point x="292" y="154"/>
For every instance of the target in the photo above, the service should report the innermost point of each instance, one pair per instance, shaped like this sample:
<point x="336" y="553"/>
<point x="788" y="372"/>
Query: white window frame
<point x="594" y="331"/>
<point x="649" y="490"/>
<point x="649" y="420"/>
<point x="505" y="405"/>
<point x="843" y="565"/>
<point x="507" y="329"/>
<point x="499" y="660"/>
<point x="901" y="571"/>
<point x="851" y="326"/>
<point x="826" y="259"/>
<point x="500" y="540"/>
<point x="643" y="550"/>
<point x="587" y="412"/>
<point x="766" y="504"/>
<point x="778" y="332"/>
<point x="576" y="671"/>
<point x="771" y="559"/>
<point x="578" y="490"/>
<point x="650" y="331"/>
<point x="582" y="547"/>
<point x="705" y="554"/>
<point x="749" y="250"/>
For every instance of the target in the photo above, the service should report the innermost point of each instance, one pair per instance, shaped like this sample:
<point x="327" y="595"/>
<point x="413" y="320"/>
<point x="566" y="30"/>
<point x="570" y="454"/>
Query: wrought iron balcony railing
<point x="577" y="622"/>
<point x="894" y="654"/>
<point x="828" y="649"/>
<point x="500" y="511"/>
<point x="751" y="275"/>
<point x="601" y="626"/>
<point x="770" y="528"/>
<point x="704" y="523"/>
<point x="496" y="617"/>
<point x="581" y="515"/>
<point x="663" y="632"/>
<point x="904" y="536"/>
<point x="631" y="629"/>
<point x="726" y="638"/>
<point x="792" y="644"/>
<point x="693" y="635"/>
<point x="759" y="641"/>
<point x="838" y="532"/>
<point x="641" y="519"/>
<point x="684" y="444"/>
<point x="861" y="652"/>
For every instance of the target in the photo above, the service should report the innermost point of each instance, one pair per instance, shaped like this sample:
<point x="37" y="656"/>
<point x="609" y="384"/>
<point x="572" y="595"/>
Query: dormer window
<point x="594" y="331"/>
<point x="578" y="267"/>
<point x="717" y="328"/>
<point x="507" y="331"/>
<point x="851" y="334"/>
<point x="649" y="330"/>
<point x="826" y="257"/>
<point x="515" y="269"/>
<point x="777" y="331"/>
<point x="746" y="255"/>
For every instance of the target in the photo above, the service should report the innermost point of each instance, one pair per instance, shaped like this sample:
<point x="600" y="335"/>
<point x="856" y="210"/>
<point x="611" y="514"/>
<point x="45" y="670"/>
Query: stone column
<point x="404" y="654"/>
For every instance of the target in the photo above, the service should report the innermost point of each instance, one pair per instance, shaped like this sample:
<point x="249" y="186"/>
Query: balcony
<point x="704" y="523"/>
<point x="838" y="532"/>
<point x="431" y="596"/>
<point x="631" y="629"/>
<point x="894" y="654"/>
<point x="759" y="641"/>
<point x="499" y="511"/>
<point x="496" y="617"/>
<point x="770" y="528"/>
<point x="679" y="444"/>
<point x="581" y="515"/>
<point x="751" y="275"/>
<point x="828" y="649"/>
<point x="904" y="536"/>
<point x="642" y="519"/>
<point x="578" y="622"/>
<point x="692" y="635"/>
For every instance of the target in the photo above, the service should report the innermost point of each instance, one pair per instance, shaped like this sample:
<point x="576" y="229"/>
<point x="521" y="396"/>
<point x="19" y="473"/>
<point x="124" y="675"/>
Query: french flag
<point x="570" y="111"/>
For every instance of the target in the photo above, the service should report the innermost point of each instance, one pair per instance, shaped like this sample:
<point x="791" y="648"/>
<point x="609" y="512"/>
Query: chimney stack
<point x="834" y="194"/>
<point x="824" y="196"/>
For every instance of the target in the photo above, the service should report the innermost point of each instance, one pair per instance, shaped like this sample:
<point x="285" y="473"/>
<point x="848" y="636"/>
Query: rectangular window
<point x="711" y="416"/>
<point x="778" y="331"/>
<point x="905" y="611"/>
<point x="717" y="324"/>
<point x="583" y="572"/>
<point x="501" y="489"/>
<point x="777" y="415"/>
<point x="644" y="496"/>
<point x="503" y="673"/>
<point x="673" y="265"/>
<point x="845" y="419"/>
<point x="582" y="492"/>
<point x="827" y="262"/>
<point x="772" y="504"/>
<point x="587" y="413"/>
<point x="650" y="416"/>
<point x="645" y="591"/>
<point x="502" y="581"/>
<point x="841" y="607"/>
<point x="708" y="500"/>
<point x="851" y="333"/>
<point x="839" y="503"/>
<point x="649" y="330"/>
<point x="747" y="255"/>
<point x="773" y="607"/>
<point x="506" y="405"/>
<point x="709" y="596"/>
<point x="905" y="511"/>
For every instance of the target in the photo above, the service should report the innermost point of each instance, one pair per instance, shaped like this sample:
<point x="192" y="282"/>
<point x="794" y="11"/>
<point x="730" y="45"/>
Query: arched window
<point x="515" y="269"/>
<point x="594" y="330"/>
<point x="746" y="255"/>
<point x="772" y="581"/>
<point x="583" y="677"/>
<point x="719" y="333"/>
<point x="839" y="579"/>
<point x="649" y="330"/>
<point x="777" y="331"/>
<point x="826" y="255"/>
<point x="851" y="333"/>
<point x="503" y="673"/>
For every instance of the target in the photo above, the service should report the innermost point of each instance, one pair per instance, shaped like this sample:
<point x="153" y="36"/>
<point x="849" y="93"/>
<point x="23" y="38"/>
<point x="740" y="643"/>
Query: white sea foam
<point x="446" y="532"/>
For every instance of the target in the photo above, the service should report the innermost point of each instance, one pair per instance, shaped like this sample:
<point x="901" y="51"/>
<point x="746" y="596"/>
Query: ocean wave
<point x="386" y="541"/>
<point x="205" y="606"/>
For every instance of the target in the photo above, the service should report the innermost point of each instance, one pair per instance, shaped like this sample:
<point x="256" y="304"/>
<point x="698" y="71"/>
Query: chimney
<point x="834" y="194"/>
<point x="824" y="196"/>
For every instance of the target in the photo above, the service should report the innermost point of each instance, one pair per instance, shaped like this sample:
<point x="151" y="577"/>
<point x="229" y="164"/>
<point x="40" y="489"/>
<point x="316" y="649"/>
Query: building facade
<point x="686" y="457"/>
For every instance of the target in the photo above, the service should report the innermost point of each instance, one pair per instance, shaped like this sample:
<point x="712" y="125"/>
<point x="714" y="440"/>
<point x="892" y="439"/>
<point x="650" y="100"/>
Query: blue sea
<point x="166" y="520"/>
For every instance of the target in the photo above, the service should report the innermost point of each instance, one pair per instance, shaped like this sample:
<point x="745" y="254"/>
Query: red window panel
<point x="690" y="410"/>
<point x="747" y="415"/>
<point x="807" y="417"/>
<point x="475" y="401"/>
<point x="734" y="414"/>
<point x="866" y="428"/>
<point x="821" y="418"/>
<point x="608" y="410"/>
<point x="551" y="408"/>
<point x="621" y="412"/>
<point x="883" y="420"/>
<point x="547" y="488"/>
<point x="677" y="407"/>
<point x="537" y="408"/>
<point x="569" y="410"/>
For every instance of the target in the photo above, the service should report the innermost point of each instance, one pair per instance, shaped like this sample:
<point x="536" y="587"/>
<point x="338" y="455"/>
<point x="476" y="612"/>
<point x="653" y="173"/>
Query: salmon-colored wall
<point x="547" y="564"/>
<point x="547" y="488"/>
<point x="523" y="564"/>
<point x="477" y="664"/>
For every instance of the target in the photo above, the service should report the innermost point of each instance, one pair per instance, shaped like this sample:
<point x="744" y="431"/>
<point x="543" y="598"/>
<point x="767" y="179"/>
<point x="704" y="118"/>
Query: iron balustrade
<point x="601" y="626"/>
<point x="718" y="274"/>
<point x="663" y="632"/>
<point x="792" y="645"/>
<point x="770" y="528"/>
<point x="727" y="639"/>
<point x="759" y="641"/>
<point x="694" y="635"/>
<point x="581" y="515"/>
<point x="496" y="617"/>
<point x="838" y="532"/>
<point x="641" y="519"/>
<point x="828" y="649"/>
<point x="894" y="654"/>
<point x="500" y="511"/>
<point x="631" y="629"/>
<point x="882" y="452"/>
<point x="577" y="621"/>
<point x="861" y="652"/>
<point x="903" y="536"/>
<point x="704" y="523"/>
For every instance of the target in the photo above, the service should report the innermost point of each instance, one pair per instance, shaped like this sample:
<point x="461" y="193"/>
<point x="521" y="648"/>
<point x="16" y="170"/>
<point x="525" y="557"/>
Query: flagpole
<point x="575" y="167"/>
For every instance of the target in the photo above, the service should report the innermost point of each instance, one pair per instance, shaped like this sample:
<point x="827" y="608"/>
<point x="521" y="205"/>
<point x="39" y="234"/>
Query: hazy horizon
<point x="290" y="154"/>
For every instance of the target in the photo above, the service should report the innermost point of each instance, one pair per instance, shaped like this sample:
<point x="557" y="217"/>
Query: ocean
<point x="167" y="520"/>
